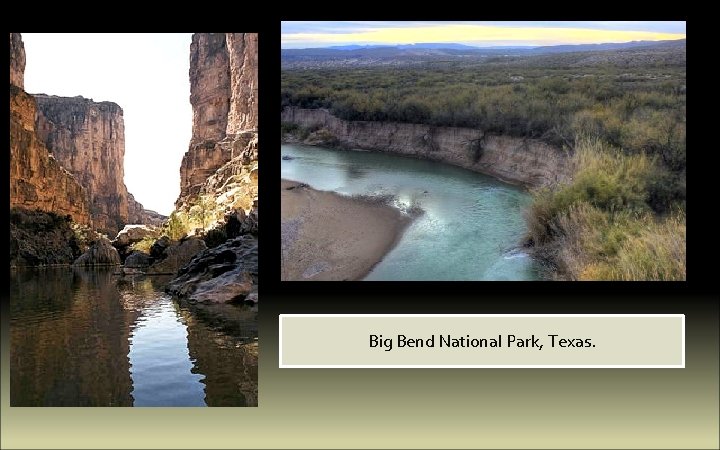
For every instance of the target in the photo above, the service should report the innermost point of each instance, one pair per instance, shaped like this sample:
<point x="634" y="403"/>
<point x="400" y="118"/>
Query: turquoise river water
<point x="471" y="227"/>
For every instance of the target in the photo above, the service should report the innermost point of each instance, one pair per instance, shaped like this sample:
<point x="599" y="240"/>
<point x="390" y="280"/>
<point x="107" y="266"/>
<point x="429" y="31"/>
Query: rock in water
<point x="100" y="253"/>
<point x="138" y="260"/>
<point x="132" y="234"/>
<point x="224" y="274"/>
<point x="178" y="255"/>
<point x="157" y="251"/>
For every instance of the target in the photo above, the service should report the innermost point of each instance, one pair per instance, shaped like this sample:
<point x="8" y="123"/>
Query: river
<point x="83" y="337"/>
<point x="471" y="227"/>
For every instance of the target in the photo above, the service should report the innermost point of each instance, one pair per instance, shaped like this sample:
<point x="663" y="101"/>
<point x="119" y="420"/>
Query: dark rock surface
<point x="177" y="255"/>
<point x="138" y="260"/>
<point x="38" y="238"/>
<point x="100" y="253"/>
<point x="132" y="234"/>
<point x="224" y="274"/>
<point x="157" y="250"/>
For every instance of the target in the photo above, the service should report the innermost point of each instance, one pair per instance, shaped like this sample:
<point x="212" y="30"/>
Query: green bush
<point x="215" y="237"/>
<point x="177" y="226"/>
<point x="144" y="245"/>
<point x="634" y="111"/>
<point x="601" y="225"/>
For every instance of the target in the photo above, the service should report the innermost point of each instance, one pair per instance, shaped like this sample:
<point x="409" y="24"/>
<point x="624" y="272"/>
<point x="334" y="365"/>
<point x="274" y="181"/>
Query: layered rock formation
<point x="525" y="161"/>
<point x="137" y="214"/>
<point x="17" y="61"/>
<point x="219" y="172"/>
<point x="37" y="180"/>
<point x="242" y="51"/>
<point x="67" y="156"/>
<point x="40" y="238"/>
<point x="222" y="159"/>
<point x="88" y="138"/>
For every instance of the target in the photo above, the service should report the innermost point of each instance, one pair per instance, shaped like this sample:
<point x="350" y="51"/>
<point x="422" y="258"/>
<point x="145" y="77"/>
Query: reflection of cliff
<point x="225" y="357"/>
<point x="51" y="326"/>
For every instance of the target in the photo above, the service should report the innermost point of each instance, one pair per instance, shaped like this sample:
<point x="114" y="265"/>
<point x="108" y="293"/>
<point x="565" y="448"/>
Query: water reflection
<point x="355" y="172"/>
<point x="84" y="338"/>
<point x="68" y="340"/>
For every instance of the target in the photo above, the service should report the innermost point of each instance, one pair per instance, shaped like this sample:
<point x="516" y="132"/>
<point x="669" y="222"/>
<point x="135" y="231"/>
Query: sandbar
<point x="330" y="237"/>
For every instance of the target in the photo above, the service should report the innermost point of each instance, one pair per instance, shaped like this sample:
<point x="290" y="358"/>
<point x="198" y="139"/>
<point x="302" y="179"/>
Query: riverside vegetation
<point x="620" y="119"/>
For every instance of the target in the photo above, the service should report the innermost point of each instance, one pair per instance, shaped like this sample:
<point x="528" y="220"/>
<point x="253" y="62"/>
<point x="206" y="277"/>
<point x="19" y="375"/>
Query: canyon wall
<point x="222" y="157"/>
<point x="67" y="156"/>
<point x="88" y="139"/>
<point x="37" y="179"/>
<point x="524" y="161"/>
<point x="17" y="61"/>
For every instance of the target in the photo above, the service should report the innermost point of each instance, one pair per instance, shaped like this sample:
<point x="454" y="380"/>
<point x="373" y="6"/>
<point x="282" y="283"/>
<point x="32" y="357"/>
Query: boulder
<point x="132" y="234"/>
<point x="138" y="260"/>
<point x="157" y="250"/>
<point x="100" y="253"/>
<point x="177" y="255"/>
<point x="224" y="274"/>
<point x="38" y="238"/>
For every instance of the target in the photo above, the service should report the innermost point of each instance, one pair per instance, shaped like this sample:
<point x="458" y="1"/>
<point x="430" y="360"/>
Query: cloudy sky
<point x="323" y="34"/>
<point x="147" y="75"/>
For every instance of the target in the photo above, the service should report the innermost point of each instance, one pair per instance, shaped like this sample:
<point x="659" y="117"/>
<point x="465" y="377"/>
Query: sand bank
<point x="329" y="237"/>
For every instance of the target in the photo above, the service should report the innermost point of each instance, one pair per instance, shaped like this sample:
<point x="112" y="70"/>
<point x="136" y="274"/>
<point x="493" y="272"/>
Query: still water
<point x="471" y="227"/>
<point x="89" y="338"/>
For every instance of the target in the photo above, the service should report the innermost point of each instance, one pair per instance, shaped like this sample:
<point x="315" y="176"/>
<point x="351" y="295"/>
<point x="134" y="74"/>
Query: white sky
<point x="147" y="75"/>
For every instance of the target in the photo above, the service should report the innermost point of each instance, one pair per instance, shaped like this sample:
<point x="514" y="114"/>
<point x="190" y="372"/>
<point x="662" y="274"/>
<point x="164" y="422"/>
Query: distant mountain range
<point x="409" y="53"/>
<point x="428" y="45"/>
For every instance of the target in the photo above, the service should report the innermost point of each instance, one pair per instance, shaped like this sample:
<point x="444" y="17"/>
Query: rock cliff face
<point x="88" y="138"/>
<point x="138" y="214"/>
<point x="524" y="161"/>
<point x="242" y="51"/>
<point x="222" y="159"/>
<point x="37" y="180"/>
<point x="17" y="61"/>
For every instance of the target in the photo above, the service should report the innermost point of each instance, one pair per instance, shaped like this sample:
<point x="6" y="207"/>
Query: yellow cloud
<point x="480" y="33"/>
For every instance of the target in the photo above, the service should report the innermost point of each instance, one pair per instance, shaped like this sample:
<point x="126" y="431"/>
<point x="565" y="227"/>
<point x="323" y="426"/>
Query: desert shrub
<point x="215" y="237"/>
<point x="144" y="245"/>
<point x="288" y="128"/>
<point x="202" y="212"/>
<point x="553" y="101"/>
<point x="324" y="136"/>
<point x="177" y="226"/>
<point x="658" y="253"/>
<point x="601" y="225"/>
<point x="604" y="178"/>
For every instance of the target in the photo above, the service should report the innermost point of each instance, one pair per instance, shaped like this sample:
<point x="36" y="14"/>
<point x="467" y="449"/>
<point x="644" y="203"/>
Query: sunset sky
<point x="482" y="34"/>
